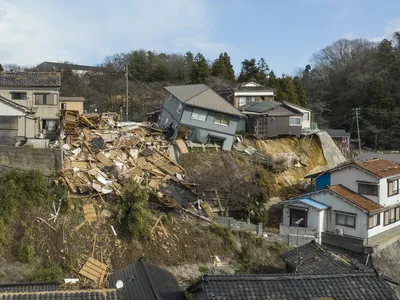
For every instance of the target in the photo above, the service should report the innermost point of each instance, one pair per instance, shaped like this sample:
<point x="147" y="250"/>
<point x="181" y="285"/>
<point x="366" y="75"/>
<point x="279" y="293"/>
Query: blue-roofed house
<point x="334" y="215"/>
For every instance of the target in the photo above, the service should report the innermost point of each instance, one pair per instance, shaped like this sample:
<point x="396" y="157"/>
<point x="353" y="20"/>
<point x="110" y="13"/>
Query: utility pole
<point x="127" y="94"/>
<point x="376" y="141"/>
<point x="358" y="131"/>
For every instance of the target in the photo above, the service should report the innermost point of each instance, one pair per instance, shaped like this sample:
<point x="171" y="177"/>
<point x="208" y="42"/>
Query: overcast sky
<point x="285" y="32"/>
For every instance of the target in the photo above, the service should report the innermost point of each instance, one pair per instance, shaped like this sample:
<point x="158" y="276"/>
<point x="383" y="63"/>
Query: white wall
<point x="383" y="194"/>
<point x="305" y="123"/>
<point x="349" y="176"/>
<point x="312" y="215"/>
<point x="338" y="204"/>
<point x="7" y="110"/>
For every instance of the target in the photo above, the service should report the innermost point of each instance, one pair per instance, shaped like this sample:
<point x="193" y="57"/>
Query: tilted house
<point x="199" y="114"/>
<point x="368" y="213"/>
<point x="242" y="93"/>
<point x="29" y="105"/>
<point x="268" y="119"/>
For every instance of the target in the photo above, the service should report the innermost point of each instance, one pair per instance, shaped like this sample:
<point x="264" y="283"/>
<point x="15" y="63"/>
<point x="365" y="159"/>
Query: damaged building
<point x="271" y="119"/>
<point x="197" y="113"/>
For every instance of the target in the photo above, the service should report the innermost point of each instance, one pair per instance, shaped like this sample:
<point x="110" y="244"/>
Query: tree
<point x="252" y="71"/>
<point x="1" y="68"/>
<point x="223" y="68"/>
<point x="200" y="71"/>
<point x="300" y="92"/>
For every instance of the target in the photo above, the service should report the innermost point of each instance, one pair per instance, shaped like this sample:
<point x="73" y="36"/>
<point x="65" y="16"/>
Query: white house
<point x="306" y="120"/>
<point x="369" y="204"/>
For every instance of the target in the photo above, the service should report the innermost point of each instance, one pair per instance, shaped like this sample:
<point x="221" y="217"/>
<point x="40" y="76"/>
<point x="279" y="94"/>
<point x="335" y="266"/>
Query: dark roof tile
<point x="30" y="79"/>
<point x="315" y="259"/>
<point x="147" y="282"/>
<point x="291" y="287"/>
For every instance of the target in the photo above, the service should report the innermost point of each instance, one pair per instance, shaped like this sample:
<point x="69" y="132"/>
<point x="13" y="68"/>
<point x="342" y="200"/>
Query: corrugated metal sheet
<point x="313" y="203"/>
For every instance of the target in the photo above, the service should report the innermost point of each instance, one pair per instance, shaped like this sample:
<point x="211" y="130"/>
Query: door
<point x="296" y="215"/>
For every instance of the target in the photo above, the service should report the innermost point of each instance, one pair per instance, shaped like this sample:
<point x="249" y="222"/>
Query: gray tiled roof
<point x="64" y="295"/>
<point x="30" y="79"/>
<point x="147" y="282"/>
<point x="55" y="66"/>
<point x="72" y="99"/>
<point x="202" y="96"/>
<point x="29" y="287"/>
<point x="337" y="132"/>
<point x="260" y="106"/>
<point x="288" y="287"/>
<point x="315" y="259"/>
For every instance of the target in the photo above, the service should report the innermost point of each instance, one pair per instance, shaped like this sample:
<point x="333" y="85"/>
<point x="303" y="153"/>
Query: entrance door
<point x="295" y="215"/>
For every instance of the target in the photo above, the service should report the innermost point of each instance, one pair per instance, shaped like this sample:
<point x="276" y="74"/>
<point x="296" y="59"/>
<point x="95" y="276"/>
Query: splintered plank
<point x="93" y="269"/>
<point x="90" y="213"/>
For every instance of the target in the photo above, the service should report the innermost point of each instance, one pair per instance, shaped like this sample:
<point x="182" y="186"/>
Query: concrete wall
<point x="24" y="158"/>
<point x="349" y="243"/>
<point x="72" y="105"/>
<point x="350" y="175"/>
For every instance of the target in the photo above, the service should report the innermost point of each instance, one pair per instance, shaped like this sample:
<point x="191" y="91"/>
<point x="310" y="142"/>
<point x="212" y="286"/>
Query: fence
<point x="297" y="235"/>
<point x="239" y="225"/>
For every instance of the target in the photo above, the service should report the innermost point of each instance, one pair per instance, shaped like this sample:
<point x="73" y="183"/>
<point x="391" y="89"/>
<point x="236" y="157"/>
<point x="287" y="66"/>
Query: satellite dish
<point x="119" y="284"/>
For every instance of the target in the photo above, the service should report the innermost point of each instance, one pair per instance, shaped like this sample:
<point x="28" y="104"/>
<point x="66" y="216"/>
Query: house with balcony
<point x="358" y="208"/>
<point x="29" y="106"/>
<point x="196" y="113"/>
<point x="242" y="93"/>
<point x="267" y="119"/>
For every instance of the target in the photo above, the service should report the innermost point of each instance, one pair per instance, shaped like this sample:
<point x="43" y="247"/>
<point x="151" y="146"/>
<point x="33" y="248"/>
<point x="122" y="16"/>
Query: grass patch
<point x="26" y="250"/>
<point x="225" y="233"/>
<point x="133" y="213"/>
<point x="203" y="269"/>
<point x="49" y="271"/>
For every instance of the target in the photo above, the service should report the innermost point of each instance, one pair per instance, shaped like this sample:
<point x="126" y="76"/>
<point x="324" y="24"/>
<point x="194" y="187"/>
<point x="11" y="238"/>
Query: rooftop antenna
<point x="297" y="271"/>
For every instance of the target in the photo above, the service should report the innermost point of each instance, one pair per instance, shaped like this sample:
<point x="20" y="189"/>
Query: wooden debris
<point x="181" y="146"/>
<point x="80" y="225"/>
<point x="94" y="270"/>
<point x="45" y="222"/>
<point x="90" y="213"/>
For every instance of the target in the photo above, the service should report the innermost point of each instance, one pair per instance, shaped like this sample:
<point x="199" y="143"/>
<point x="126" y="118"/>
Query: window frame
<point x="45" y="99"/>
<point x="346" y="216"/>
<point x="377" y="221"/>
<point x="19" y="93"/>
<point x="396" y="192"/>
<point x="198" y="119"/>
<point x="223" y="116"/>
<point x="393" y="216"/>
<point x="295" y="118"/>
<point x="375" y="186"/>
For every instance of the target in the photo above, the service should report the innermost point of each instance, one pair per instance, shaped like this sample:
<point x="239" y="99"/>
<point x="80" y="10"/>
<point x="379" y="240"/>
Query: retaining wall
<point x="25" y="158"/>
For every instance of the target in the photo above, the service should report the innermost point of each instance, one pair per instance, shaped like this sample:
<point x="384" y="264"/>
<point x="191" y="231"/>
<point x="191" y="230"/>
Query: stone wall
<point x="24" y="158"/>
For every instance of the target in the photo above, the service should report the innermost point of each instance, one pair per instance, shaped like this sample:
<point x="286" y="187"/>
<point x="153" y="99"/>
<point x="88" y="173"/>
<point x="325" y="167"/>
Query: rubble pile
<point x="100" y="154"/>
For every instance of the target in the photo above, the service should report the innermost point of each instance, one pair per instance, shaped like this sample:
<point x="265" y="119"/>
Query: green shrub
<point x="225" y="233"/>
<point x="26" y="251"/>
<point x="3" y="236"/>
<point x="49" y="271"/>
<point x="203" y="269"/>
<point x="133" y="214"/>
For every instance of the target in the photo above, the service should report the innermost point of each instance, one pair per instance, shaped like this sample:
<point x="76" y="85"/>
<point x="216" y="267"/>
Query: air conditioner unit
<point x="40" y="135"/>
<point x="339" y="231"/>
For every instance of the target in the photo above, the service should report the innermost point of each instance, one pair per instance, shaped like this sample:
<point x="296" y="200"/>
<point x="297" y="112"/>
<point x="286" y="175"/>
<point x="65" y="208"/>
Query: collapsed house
<point x="197" y="113"/>
<point x="100" y="155"/>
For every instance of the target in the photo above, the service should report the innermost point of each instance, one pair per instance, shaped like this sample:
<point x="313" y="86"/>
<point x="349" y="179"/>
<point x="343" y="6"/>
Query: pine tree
<point x="301" y="93"/>
<point x="200" y="71"/>
<point x="223" y="68"/>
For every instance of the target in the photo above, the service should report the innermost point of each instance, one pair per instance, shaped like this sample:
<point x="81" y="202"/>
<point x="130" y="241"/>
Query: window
<point x="50" y="126"/>
<point x="393" y="187"/>
<point x="306" y="116"/>
<point x="346" y="220"/>
<point x="221" y="119"/>
<point x="374" y="221"/>
<point x="244" y="100"/>
<point x="63" y="105"/>
<point x="199" y="114"/>
<point x="295" y="121"/>
<point x="45" y="99"/>
<point x="390" y="216"/>
<point x="368" y="189"/>
<point x="180" y="107"/>
<point x="18" y="96"/>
